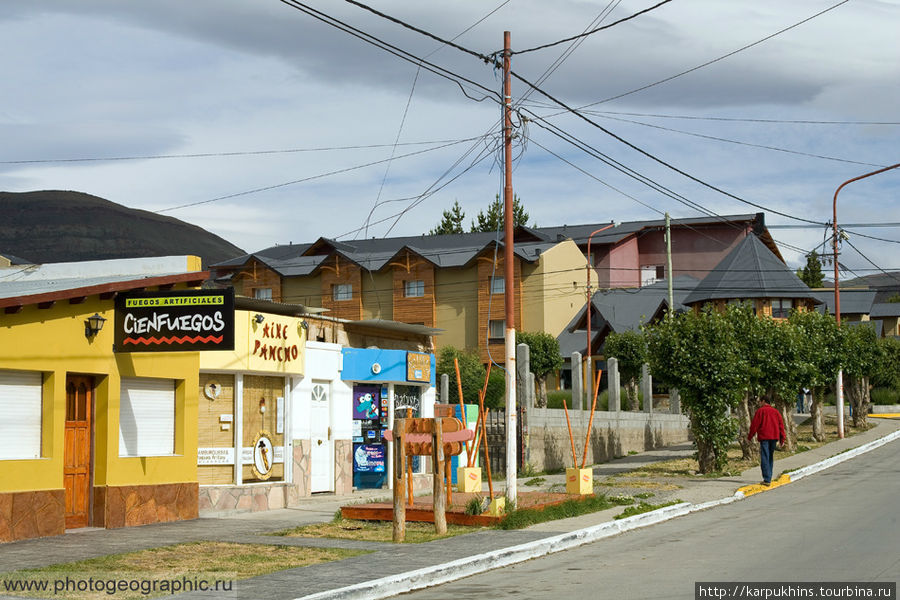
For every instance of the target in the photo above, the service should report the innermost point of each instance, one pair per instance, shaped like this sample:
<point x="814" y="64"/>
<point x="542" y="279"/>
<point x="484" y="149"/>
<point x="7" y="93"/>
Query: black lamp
<point x="93" y="325"/>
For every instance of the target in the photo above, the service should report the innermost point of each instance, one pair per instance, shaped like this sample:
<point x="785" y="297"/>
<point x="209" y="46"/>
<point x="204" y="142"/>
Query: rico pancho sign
<point x="175" y="321"/>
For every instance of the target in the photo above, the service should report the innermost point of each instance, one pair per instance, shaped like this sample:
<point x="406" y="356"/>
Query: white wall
<point x="323" y="363"/>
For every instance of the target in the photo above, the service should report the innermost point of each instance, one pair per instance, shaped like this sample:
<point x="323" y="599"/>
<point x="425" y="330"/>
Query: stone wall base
<point x="130" y="505"/>
<point x="245" y="498"/>
<point x="34" y="514"/>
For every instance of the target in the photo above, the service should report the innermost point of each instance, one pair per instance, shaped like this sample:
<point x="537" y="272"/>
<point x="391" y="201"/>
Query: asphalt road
<point x="838" y="525"/>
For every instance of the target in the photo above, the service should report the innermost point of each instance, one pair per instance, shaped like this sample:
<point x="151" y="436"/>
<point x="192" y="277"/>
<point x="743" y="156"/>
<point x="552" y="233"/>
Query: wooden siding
<point x="256" y="275"/>
<point x="494" y="307"/>
<point x="255" y="389"/>
<point x="210" y="432"/>
<point x="336" y="270"/>
<point x="417" y="309"/>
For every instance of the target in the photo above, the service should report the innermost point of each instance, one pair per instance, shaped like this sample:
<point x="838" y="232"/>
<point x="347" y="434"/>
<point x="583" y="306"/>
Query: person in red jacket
<point x="768" y="427"/>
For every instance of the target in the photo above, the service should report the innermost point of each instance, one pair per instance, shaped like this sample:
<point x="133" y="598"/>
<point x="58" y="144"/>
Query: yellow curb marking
<point x="885" y="416"/>
<point x="755" y="488"/>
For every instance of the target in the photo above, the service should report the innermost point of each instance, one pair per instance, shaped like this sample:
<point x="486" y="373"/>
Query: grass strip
<point x="374" y="531"/>
<point x="525" y="517"/>
<point x="165" y="570"/>
<point x="643" y="507"/>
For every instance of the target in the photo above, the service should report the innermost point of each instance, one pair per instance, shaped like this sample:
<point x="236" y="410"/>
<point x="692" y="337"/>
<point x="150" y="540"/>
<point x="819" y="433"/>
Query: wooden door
<point x="77" y="469"/>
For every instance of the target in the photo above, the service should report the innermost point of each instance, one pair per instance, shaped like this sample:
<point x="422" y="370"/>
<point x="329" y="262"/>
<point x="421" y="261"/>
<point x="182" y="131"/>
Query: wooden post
<point x="410" y="488"/>
<point x="399" y="532"/>
<point x="437" y="456"/>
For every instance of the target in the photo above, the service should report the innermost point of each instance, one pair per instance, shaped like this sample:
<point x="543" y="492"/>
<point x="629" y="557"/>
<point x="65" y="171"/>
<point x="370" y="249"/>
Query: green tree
<point x="544" y="358"/>
<point x="861" y="360"/>
<point x="698" y="353"/>
<point x="471" y="373"/>
<point x="492" y="220"/>
<point x="630" y="349"/>
<point x="821" y="348"/>
<point x="451" y="221"/>
<point x="888" y="373"/>
<point x="811" y="274"/>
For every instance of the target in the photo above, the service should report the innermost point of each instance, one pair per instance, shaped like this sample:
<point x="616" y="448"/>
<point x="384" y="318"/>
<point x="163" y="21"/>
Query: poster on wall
<point x="174" y="321"/>
<point x="366" y="400"/>
<point x="368" y="458"/>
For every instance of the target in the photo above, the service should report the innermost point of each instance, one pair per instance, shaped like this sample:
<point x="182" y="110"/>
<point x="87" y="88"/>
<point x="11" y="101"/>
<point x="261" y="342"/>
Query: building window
<point x="781" y="308"/>
<point x="262" y="293"/>
<point x="414" y="288"/>
<point x="496" y="329"/>
<point x="146" y="417"/>
<point x="20" y="427"/>
<point x="650" y="274"/>
<point x="498" y="285"/>
<point x="342" y="291"/>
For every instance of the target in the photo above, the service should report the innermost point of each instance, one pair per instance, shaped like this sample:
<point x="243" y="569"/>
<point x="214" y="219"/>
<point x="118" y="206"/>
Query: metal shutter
<point x="20" y="406"/>
<point x="147" y="417"/>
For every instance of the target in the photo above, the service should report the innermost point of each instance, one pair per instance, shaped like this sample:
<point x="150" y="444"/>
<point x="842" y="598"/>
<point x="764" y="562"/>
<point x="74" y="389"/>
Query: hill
<point x="61" y="226"/>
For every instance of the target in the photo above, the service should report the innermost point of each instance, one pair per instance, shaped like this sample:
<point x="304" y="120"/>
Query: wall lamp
<point x="93" y="325"/>
<point x="262" y="405"/>
<point x="259" y="318"/>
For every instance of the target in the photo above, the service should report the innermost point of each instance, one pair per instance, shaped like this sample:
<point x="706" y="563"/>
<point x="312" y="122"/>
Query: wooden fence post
<point x="437" y="457"/>
<point x="399" y="531"/>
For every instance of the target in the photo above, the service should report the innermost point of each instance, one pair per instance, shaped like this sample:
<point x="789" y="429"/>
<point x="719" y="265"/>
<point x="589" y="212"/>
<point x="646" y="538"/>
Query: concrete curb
<point x="392" y="585"/>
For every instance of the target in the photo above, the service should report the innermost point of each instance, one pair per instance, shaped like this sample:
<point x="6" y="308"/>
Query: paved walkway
<point x="384" y="558"/>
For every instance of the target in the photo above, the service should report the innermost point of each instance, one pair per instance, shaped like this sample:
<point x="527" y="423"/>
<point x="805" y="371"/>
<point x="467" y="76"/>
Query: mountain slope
<point x="61" y="226"/>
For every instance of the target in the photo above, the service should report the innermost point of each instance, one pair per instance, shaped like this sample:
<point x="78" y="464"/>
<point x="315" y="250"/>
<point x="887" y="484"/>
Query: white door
<point x="321" y="462"/>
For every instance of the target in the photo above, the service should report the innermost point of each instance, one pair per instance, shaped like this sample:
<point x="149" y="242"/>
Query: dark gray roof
<point x="15" y="260"/>
<point x="750" y="270"/>
<point x="623" y="309"/>
<point x="882" y="309"/>
<point x="580" y="233"/>
<point x="853" y="302"/>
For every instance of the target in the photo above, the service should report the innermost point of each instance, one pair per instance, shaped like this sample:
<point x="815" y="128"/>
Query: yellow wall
<point x="377" y="295"/>
<point x="52" y="341"/>
<point x="456" y="308"/>
<point x="553" y="290"/>
<point x="251" y="337"/>
<point x="302" y="290"/>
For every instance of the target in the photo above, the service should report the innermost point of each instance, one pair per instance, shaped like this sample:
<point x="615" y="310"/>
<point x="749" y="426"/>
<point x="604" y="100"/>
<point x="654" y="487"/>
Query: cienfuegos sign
<point x="175" y="321"/>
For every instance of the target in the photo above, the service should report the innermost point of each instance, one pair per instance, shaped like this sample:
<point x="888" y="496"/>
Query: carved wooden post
<point x="437" y="457"/>
<point x="399" y="474"/>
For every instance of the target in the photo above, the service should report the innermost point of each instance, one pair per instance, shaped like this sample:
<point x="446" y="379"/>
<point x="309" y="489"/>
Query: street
<point x="838" y="525"/>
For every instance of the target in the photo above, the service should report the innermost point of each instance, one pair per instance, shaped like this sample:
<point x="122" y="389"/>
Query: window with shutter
<point x="20" y="405"/>
<point x="147" y="417"/>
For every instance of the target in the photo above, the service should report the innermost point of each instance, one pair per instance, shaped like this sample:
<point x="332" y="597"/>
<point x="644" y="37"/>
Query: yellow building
<point x="89" y="436"/>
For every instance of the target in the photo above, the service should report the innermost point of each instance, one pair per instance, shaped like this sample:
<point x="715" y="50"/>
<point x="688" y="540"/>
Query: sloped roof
<point x="623" y="309"/>
<point x="750" y="270"/>
<point x="853" y="302"/>
<point x="883" y="309"/>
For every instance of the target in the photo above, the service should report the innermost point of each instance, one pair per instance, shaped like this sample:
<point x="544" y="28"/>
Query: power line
<point x="654" y="158"/>
<point x="310" y="178"/>
<point x="720" y="58"/>
<point x="869" y="260"/>
<point x="218" y="154"/>
<point x="742" y="119"/>
<point x="396" y="51"/>
<point x="593" y="31"/>
<point x="739" y="142"/>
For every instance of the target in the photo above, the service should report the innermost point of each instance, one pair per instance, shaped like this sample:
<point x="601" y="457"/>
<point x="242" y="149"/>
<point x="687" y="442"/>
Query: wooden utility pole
<point x="399" y="475"/>
<point x="437" y="458"/>
<point x="669" y="275"/>
<point x="509" y="281"/>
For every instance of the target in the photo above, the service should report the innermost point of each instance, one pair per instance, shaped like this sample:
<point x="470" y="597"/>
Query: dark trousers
<point x="767" y="458"/>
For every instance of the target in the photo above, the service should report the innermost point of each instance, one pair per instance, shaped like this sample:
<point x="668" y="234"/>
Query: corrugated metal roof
<point x="882" y="309"/>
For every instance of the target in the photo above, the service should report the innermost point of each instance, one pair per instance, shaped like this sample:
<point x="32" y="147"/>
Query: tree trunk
<point x="749" y="449"/>
<point x="631" y="390"/>
<point x="542" y="395"/>
<point x="858" y="392"/>
<point x="815" y="410"/>
<point x="790" y="428"/>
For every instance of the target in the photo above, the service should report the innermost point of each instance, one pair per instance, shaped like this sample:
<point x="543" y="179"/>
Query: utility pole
<point x="509" y="282"/>
<point x="669" y="275"/>
<point x="839" y="392"/>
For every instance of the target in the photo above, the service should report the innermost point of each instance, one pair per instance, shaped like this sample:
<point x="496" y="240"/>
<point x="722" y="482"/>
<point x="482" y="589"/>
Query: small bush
<point x="555" y="399"/>
<point x="643" y="507"/>
<point x="475" y="505"/>
<point x="883" y="395"/>
<point x="517" y="519"/>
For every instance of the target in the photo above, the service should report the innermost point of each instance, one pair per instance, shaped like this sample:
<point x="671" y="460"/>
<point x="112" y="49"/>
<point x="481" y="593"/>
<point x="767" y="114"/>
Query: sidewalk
<point x="385" y="559"/>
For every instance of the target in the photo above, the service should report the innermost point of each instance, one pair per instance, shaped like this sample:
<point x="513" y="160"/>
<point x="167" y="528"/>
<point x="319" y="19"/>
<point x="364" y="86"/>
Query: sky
<point x="308" y="131"/>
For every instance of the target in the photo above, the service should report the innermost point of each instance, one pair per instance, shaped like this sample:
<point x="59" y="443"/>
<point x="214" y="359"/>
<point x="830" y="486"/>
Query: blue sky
<point x="104" y="78"/>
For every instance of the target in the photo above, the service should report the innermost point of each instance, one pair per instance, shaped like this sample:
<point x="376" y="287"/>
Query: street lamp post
<point x="588" y="267"/>
<point x="839" y="392"/>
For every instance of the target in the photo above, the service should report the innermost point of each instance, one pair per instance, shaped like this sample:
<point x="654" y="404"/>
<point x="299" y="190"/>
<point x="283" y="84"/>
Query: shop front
<point x="246" y="450"/>
<point x="90" y="436"/>
<point x="385" y="384"/>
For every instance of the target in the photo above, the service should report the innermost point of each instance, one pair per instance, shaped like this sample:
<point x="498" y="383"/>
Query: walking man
<point x="768" y="427"/>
